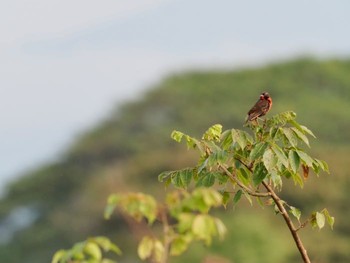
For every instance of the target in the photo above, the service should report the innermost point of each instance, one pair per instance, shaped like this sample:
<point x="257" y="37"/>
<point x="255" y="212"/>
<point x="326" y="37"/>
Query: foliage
<point x="241" y="163"/>
<point x="237" y="160"/>
<point x="237" y="163"/>
<point x="89" y="251"/>
<point x="188" y="213"/>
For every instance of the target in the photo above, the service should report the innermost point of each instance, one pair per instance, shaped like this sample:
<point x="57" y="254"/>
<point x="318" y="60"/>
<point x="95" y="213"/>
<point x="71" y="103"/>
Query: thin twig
<point x="249" y="167"/>
<point x="245" y="188"/>
<point x="302" y="225"/>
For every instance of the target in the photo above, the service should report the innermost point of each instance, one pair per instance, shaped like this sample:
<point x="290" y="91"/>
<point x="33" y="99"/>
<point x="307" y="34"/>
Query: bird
<point x="261" y="107"/>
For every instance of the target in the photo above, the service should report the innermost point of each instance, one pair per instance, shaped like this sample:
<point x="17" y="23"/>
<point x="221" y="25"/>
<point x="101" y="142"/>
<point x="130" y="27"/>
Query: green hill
<point x="132" y="146"/>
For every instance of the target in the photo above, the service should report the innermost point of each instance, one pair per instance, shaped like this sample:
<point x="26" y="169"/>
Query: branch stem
<point x="166" y="231"/>
<point x="239" y="183"/>
<point x="289" y="223"/>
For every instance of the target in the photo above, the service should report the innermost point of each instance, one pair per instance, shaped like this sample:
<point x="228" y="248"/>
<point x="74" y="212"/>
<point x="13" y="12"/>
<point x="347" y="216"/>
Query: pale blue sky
<point x="65" y="64"/>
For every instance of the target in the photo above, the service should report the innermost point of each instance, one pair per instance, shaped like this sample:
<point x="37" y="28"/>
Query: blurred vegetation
<point x="128" y="150"/>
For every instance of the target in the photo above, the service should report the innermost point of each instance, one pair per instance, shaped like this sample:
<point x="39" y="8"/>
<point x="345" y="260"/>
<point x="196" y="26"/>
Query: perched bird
<point x="261" y="107"/>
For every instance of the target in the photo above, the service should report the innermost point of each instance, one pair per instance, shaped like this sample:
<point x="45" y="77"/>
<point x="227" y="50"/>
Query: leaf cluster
<point x="188" y="213"/>
<point x="273" y="151"/>
<point x="232" y="163"/>
<point x="88" y="251"/>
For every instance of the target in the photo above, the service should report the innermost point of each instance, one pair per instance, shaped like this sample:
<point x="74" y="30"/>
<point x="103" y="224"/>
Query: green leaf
<point x="204" y="227"/>
<point x="294" y="160"/>
<point x="301" y="136"/>
<point x="306" y="130"/>
<point x="237" y="197"/>
<point x="274" y="131"/>
<point x="320" y="220"/>
<point x="77" y="248"/>
<point x="93" y="250"/>
<point x="78" y="256"/>
<point x="290" y="135"/>
<point x="313" y="220"/>
<point x="325" y="165"/>
<point x="248" y="197"/>
<point x="282" y="118"/>
<point x="191" y="142"/>
<point x="202" y="199"/>
<point x="145" y="247"/>
<point x="322" y="164"/>
<point x="240" y="137"/>
<point x="176" y="179"/>
<point x="330" y="219"/>
<point x="280" y="155"/>
<point x="179" y="245"/>
<point x="259" y="173"/>
<point x="210" y="196"/>
<point x="185" y="221"/>
<point x="295" y="212"/>
<point x="138" y="205"/>
<point x="258" y="150"/>
<point x="106" y="244"/>
<point x="220" y="228"/>
<point x="305" y="158"/>
<point x="269" y="159"/>
<point x="288" y="115"/>
<point x="195" y="203"/>
<point x="226" y="139"/>
<point x="148" y="207"/>
<point x="296" y="125"/>
<point x="213" y="133"/>
<point x="103" y="242"/>
<point x="298" y="179"/>
<point x="186" y="177"/>
<point x="221" y="178"/>
<point x="276" y="179"/>
<point x="217" y="157"/>
<point x="112" y="202"/>
<point x="58" y="256"/>
<point x="206" y="179"/>
<point x="177" y="135"/>
<point x="158" y="251"/>
<point x="115" y="249"/>
<point x="221" y="156"/>
<point x="164" y="176"/>
<point x="225" y="198"/>
<point x="243" y="175"/>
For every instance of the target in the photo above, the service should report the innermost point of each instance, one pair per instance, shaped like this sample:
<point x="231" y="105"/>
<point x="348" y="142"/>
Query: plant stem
<point x="239" y="183"/>
<point x="166" y="232"/>
<point x="289" y="223"/>
<point x="285" y="215"/>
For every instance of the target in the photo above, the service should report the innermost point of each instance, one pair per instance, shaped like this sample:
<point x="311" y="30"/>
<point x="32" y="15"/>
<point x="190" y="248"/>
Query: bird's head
<point x="265" y="96"/>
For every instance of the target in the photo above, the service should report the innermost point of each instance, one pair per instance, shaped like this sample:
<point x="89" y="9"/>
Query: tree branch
<point x="289" y="223"/>
<point x="245" y="188"/>
<point x="282" y="210"/>
<point x="166" y="231"/>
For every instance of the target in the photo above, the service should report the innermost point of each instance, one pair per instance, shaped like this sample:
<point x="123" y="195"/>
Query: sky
<point x="64" y="65"/>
